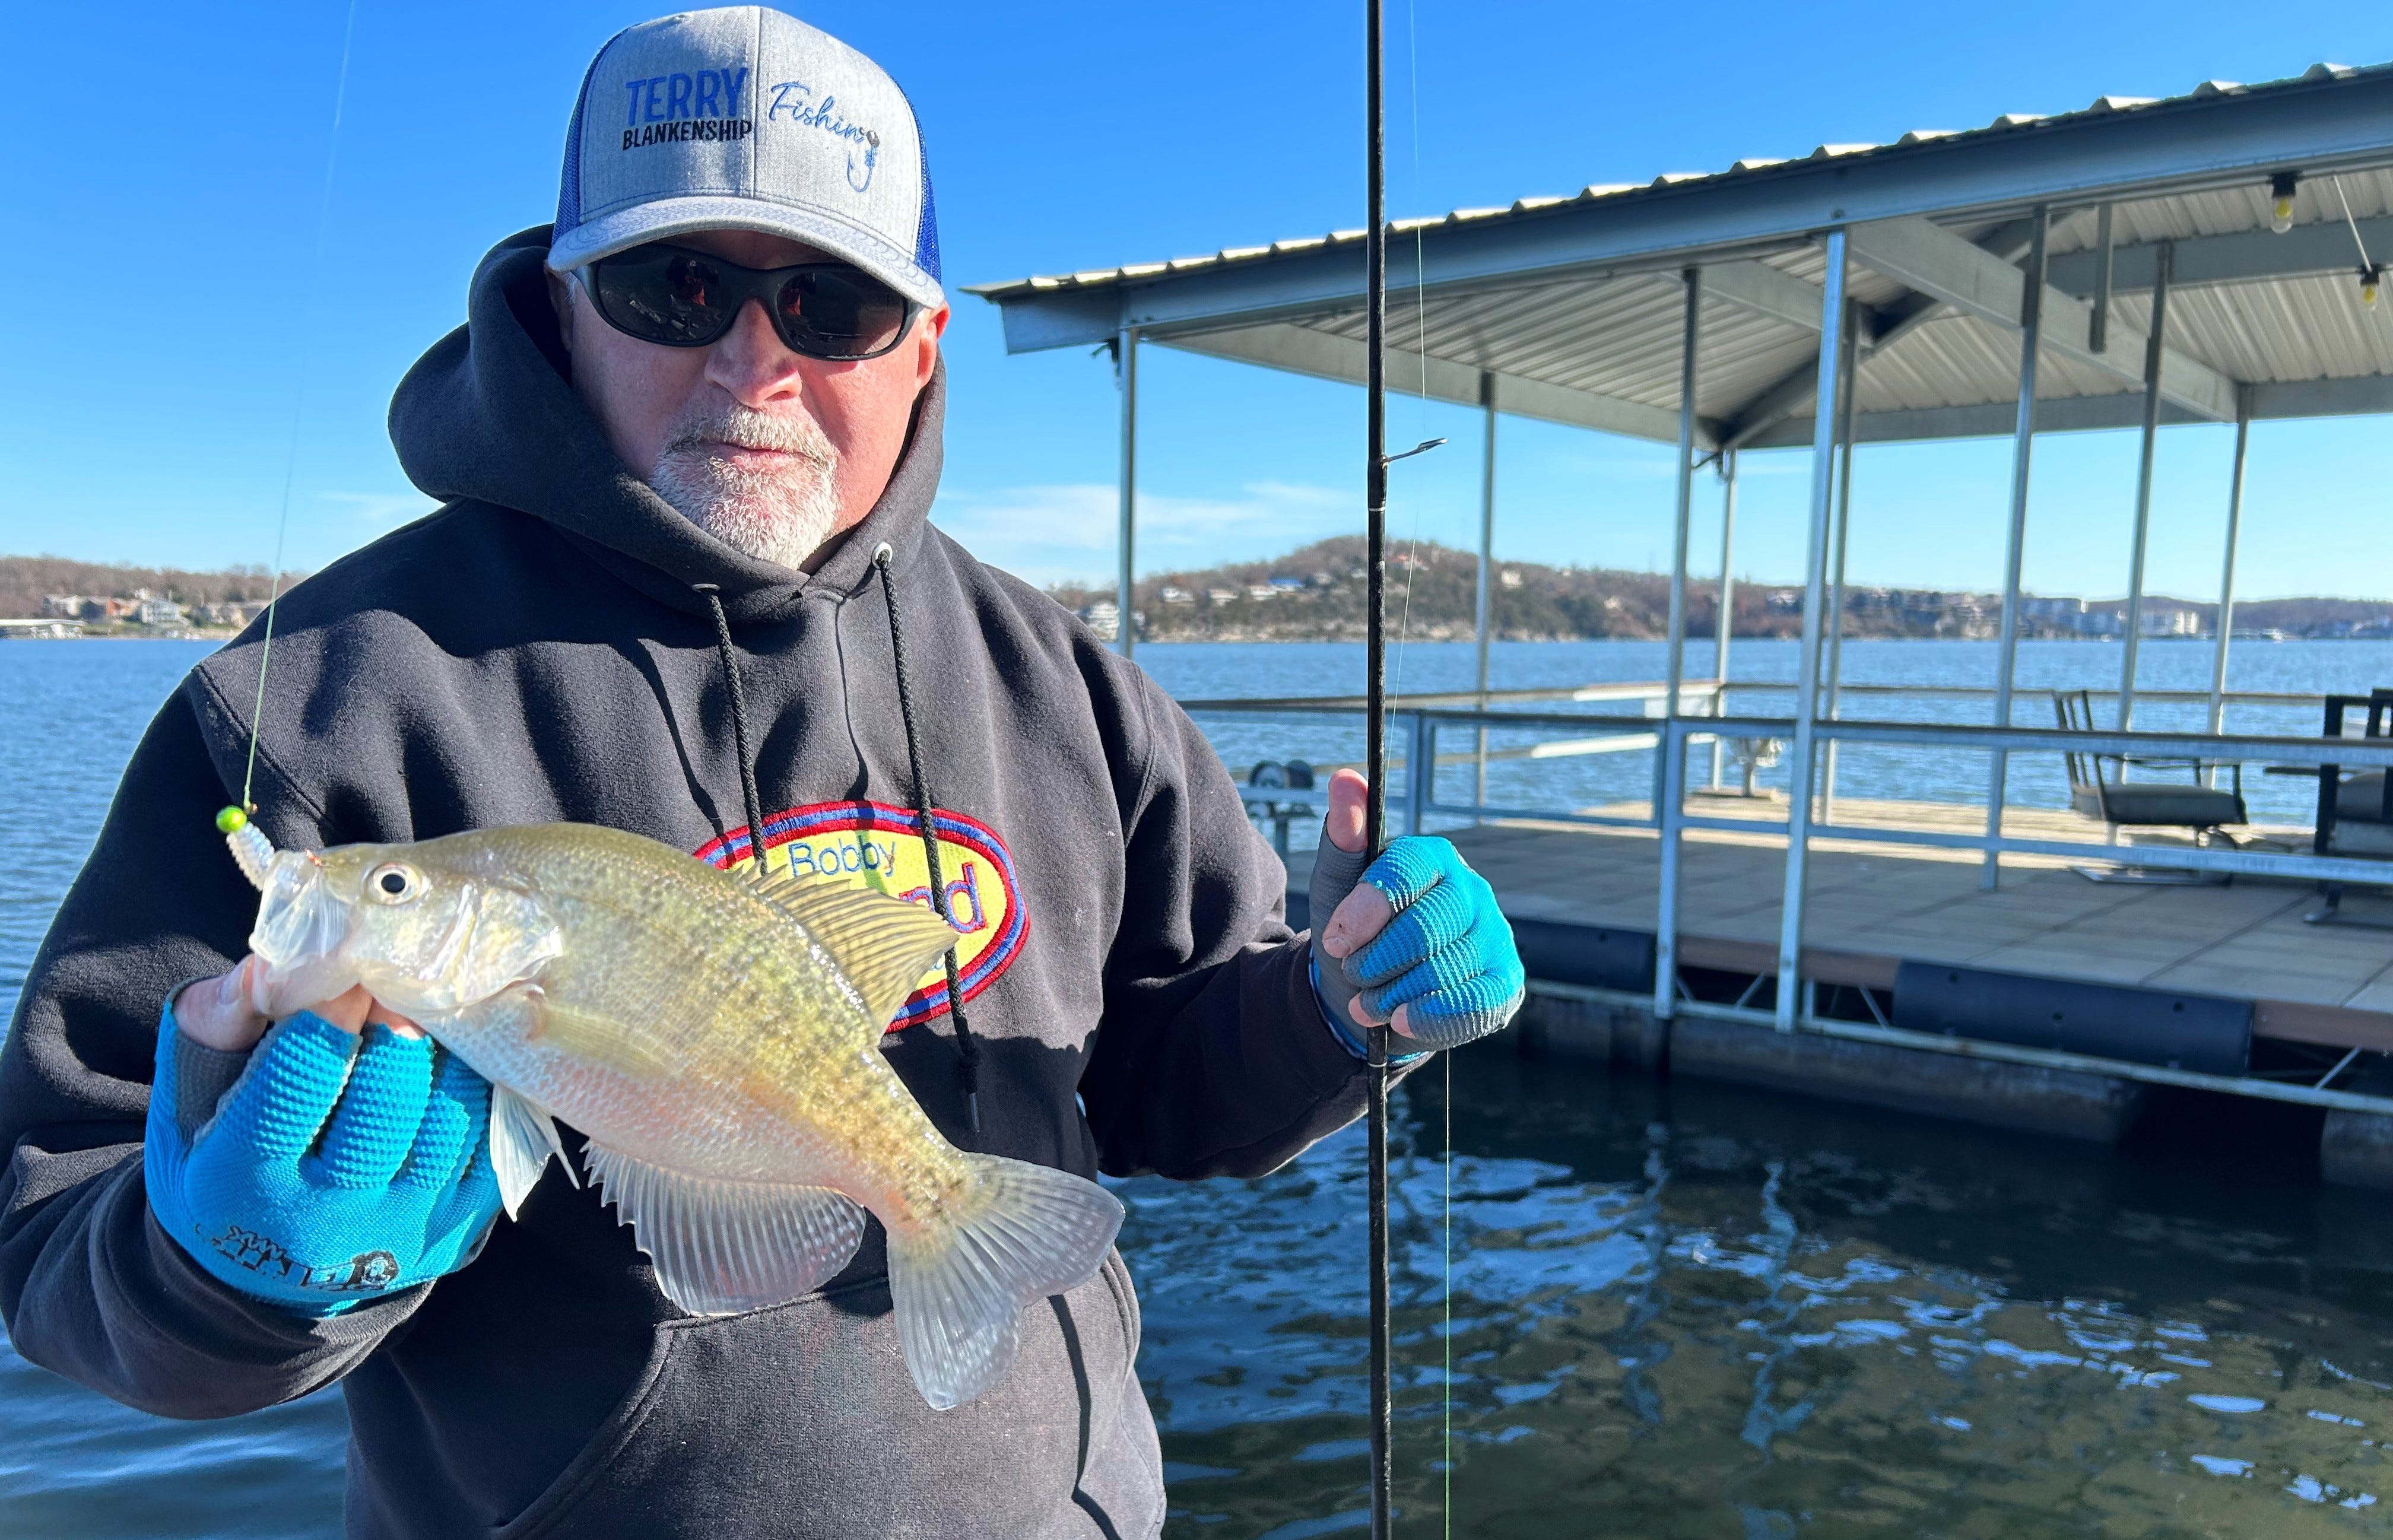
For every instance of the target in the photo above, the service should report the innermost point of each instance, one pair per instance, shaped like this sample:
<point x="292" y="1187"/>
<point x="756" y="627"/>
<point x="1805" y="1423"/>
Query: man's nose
<point x="751" y="361"/>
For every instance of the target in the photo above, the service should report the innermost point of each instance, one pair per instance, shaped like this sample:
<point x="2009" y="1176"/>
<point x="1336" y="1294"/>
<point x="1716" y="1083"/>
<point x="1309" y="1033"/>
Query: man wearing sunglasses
<point x="683" y="582"/>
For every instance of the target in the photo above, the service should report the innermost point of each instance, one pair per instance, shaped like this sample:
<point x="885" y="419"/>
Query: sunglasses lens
<point x="840" y="313"/>
<point x="665" y="295"/>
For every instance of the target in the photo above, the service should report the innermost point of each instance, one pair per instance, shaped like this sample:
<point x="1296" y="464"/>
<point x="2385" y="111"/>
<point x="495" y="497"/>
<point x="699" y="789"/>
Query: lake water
<point x="1650" y="1308"/>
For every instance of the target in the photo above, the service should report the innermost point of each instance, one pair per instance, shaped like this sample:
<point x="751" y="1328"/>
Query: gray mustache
<point x="749" y="428"/>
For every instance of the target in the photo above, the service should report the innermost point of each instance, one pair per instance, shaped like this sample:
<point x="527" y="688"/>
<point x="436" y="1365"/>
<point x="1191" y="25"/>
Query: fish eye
<point x="393" y="883"/>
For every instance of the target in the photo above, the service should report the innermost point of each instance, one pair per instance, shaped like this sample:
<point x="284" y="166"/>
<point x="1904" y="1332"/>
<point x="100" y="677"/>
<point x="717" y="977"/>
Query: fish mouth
<point x="301" y="935"/>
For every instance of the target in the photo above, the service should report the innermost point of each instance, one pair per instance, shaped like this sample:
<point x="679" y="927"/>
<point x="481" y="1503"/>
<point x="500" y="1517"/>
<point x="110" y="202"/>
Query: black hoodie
<point x="532" y="651"/>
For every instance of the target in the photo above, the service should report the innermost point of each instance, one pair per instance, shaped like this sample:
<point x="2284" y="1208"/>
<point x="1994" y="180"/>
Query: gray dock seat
<point x="2360" y="826"/>
<point x="2355" y="816"/>
<point x="2114" y="800"/>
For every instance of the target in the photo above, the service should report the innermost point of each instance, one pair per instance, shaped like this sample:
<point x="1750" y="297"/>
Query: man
<point x="682" y="583"/>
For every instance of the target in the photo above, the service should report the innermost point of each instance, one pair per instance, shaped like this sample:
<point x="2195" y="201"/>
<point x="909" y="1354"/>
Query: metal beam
<point x="1925" y="256"/>
<point x="1484" y="597"/>
<point x="1125" y="361"/>
<point x="1840" y="544"/>
<point x="2032" y="289"/>
<point x="2245" y="257"/>
<point x="2141" y="538"/>
<point x="1676" y="627"/>
<point x="2368" y="395"/>
<point x="1766" y="291"/>
<point x="1790" y="394"/>
<point x="1302" y="350"/>
<point x="2226" y="574"/>
<point x="1723" y="622"/>
<point x="1807" y="667"/>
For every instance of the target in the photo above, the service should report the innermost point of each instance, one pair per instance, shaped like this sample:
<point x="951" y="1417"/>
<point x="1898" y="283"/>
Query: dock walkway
<point x="1873" y="907"/>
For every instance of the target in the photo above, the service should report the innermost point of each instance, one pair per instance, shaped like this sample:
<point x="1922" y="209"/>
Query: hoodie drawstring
<point x="967" y="1046"/>
<point x="738" y="725"/>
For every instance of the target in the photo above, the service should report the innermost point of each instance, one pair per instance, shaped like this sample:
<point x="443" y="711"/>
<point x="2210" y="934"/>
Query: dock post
<point x="2154" y="348"/>
<point x="1421" y="770"/>
<point x="1833" y="321"/>
<point x="1126" y="364"/>
<point x="1670" y="813"/>
<point x="1676" y="631"/>
<point x="1727" y="604"/>
<point x="2023" y="447"/>
<point x="1836" y="665"/>
<point x="2227" y="565"/>
<point x="1485" y="597"/>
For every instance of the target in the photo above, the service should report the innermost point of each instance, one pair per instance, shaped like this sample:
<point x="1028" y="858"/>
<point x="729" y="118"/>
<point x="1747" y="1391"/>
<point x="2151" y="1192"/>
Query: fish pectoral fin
<point x="597" y="1040"/>
<point x="522" y="1138"/>
<point x="721" y="1247"/>
<point x="883" y="945"/>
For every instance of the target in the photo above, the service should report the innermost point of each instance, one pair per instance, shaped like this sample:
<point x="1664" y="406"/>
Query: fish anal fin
<point x="883" y="945"/>
<point x="720" y="1246"/>
<point x="522" y="1138"/>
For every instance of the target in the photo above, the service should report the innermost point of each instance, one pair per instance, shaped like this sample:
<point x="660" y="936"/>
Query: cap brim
<point x="665" y="217"/>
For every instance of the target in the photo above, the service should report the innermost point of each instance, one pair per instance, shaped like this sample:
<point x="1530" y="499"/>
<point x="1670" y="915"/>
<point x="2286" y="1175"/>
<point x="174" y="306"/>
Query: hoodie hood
<point x="488" y="414"/>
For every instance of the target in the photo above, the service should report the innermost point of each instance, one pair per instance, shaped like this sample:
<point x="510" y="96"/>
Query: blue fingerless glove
<point x="319" y="1168"/>
<point x="1448" y="953"/>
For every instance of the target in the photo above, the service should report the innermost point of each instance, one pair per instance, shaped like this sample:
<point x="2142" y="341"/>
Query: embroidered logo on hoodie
<point x="875" y="846"/>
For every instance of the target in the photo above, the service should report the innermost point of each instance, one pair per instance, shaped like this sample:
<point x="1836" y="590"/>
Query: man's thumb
<point x="1344" y="828"/>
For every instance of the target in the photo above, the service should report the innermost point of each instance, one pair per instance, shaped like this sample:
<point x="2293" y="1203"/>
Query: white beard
<point x="780" y="515"/>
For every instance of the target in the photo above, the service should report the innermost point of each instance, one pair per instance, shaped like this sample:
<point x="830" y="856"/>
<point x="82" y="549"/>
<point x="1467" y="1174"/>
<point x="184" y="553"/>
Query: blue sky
<point x="170" y="314"/>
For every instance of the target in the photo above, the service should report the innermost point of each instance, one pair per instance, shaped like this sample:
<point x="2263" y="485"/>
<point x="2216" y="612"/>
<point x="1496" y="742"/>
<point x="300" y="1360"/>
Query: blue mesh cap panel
<point x="926" y="237"/>
<point x="568" y="184"/>
<point x="926" y="244"/>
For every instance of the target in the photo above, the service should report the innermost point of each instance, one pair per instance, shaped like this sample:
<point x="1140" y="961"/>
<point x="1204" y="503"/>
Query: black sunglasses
<point x="682" y="298"/>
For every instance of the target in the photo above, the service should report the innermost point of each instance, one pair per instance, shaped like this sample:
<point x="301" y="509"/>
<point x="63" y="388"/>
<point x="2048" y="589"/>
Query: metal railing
<point x="1414" y="733"/>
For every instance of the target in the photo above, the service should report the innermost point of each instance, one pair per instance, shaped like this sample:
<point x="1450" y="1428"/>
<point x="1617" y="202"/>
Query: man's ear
<point x="926" y="357"/>
<point x="561" y="299"/>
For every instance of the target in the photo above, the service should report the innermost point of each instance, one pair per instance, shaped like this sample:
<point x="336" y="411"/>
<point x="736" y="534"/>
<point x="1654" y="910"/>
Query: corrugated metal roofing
<point x="1599" y="344"/>
<point x="2007" y="122"/>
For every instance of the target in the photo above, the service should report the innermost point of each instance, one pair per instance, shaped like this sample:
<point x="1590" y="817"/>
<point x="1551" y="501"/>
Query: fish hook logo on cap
<point x="744" y="117"/>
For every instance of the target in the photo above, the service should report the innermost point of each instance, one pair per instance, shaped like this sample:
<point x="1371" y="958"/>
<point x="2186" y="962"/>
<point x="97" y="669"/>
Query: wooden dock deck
<point x="1871" y="907"/>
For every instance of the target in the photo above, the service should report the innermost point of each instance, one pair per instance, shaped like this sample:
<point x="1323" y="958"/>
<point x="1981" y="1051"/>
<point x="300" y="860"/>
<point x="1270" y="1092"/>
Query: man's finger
<point x="347" y="1009"/>
<point x="379" y="1015"/>
<point x="1358" y="919"/>
<point x="216" y="1012"/>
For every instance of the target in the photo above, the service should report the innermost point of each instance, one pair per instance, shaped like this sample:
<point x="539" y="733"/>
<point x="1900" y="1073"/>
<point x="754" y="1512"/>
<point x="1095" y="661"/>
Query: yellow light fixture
<point x="2281" y="200"/>
<point x="2368" y="277"/>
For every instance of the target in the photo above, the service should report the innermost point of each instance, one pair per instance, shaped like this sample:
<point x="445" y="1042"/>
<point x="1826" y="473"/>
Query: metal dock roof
<point x="1570" y="308"/>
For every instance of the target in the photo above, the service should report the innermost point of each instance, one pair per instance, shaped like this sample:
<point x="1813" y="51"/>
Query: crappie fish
<point x="717" y="1041"/>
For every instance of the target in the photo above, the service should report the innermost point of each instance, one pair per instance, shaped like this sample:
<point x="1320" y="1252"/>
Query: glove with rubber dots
<point x="322" y="1167"/>
<point x="1443" y="967"/>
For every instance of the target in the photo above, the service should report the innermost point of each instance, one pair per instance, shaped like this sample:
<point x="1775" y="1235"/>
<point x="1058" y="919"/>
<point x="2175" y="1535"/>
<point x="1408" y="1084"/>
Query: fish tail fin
<point x="1017" y="1233"/>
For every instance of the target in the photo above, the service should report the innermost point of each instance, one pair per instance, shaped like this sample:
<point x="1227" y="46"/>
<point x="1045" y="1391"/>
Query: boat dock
<point x="1915" y="973"/>
<point x="2291" y="1000"/>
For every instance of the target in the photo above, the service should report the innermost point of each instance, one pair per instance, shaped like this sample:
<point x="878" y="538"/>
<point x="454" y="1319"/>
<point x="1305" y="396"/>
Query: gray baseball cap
<point x="744" y="117"/>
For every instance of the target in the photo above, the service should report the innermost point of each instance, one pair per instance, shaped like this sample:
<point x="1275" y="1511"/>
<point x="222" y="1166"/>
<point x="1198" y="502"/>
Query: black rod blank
<point x="1375" y="756"/>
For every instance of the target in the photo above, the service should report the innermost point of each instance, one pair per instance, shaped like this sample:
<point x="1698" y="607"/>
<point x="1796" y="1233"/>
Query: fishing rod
<point x="1375" y="753"/>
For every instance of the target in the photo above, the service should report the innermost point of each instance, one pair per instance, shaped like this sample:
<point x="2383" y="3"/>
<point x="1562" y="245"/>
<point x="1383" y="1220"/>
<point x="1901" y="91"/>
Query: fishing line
<point x="300" y="401"/>
<point x="1403" y="634"/>
<point x="1421" y="342"/>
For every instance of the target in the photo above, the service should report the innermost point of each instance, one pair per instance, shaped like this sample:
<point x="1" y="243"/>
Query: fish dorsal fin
<point x="883" y="945"/>
<point x="721" y="1247"/>
<point x="522" y="1138"/>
